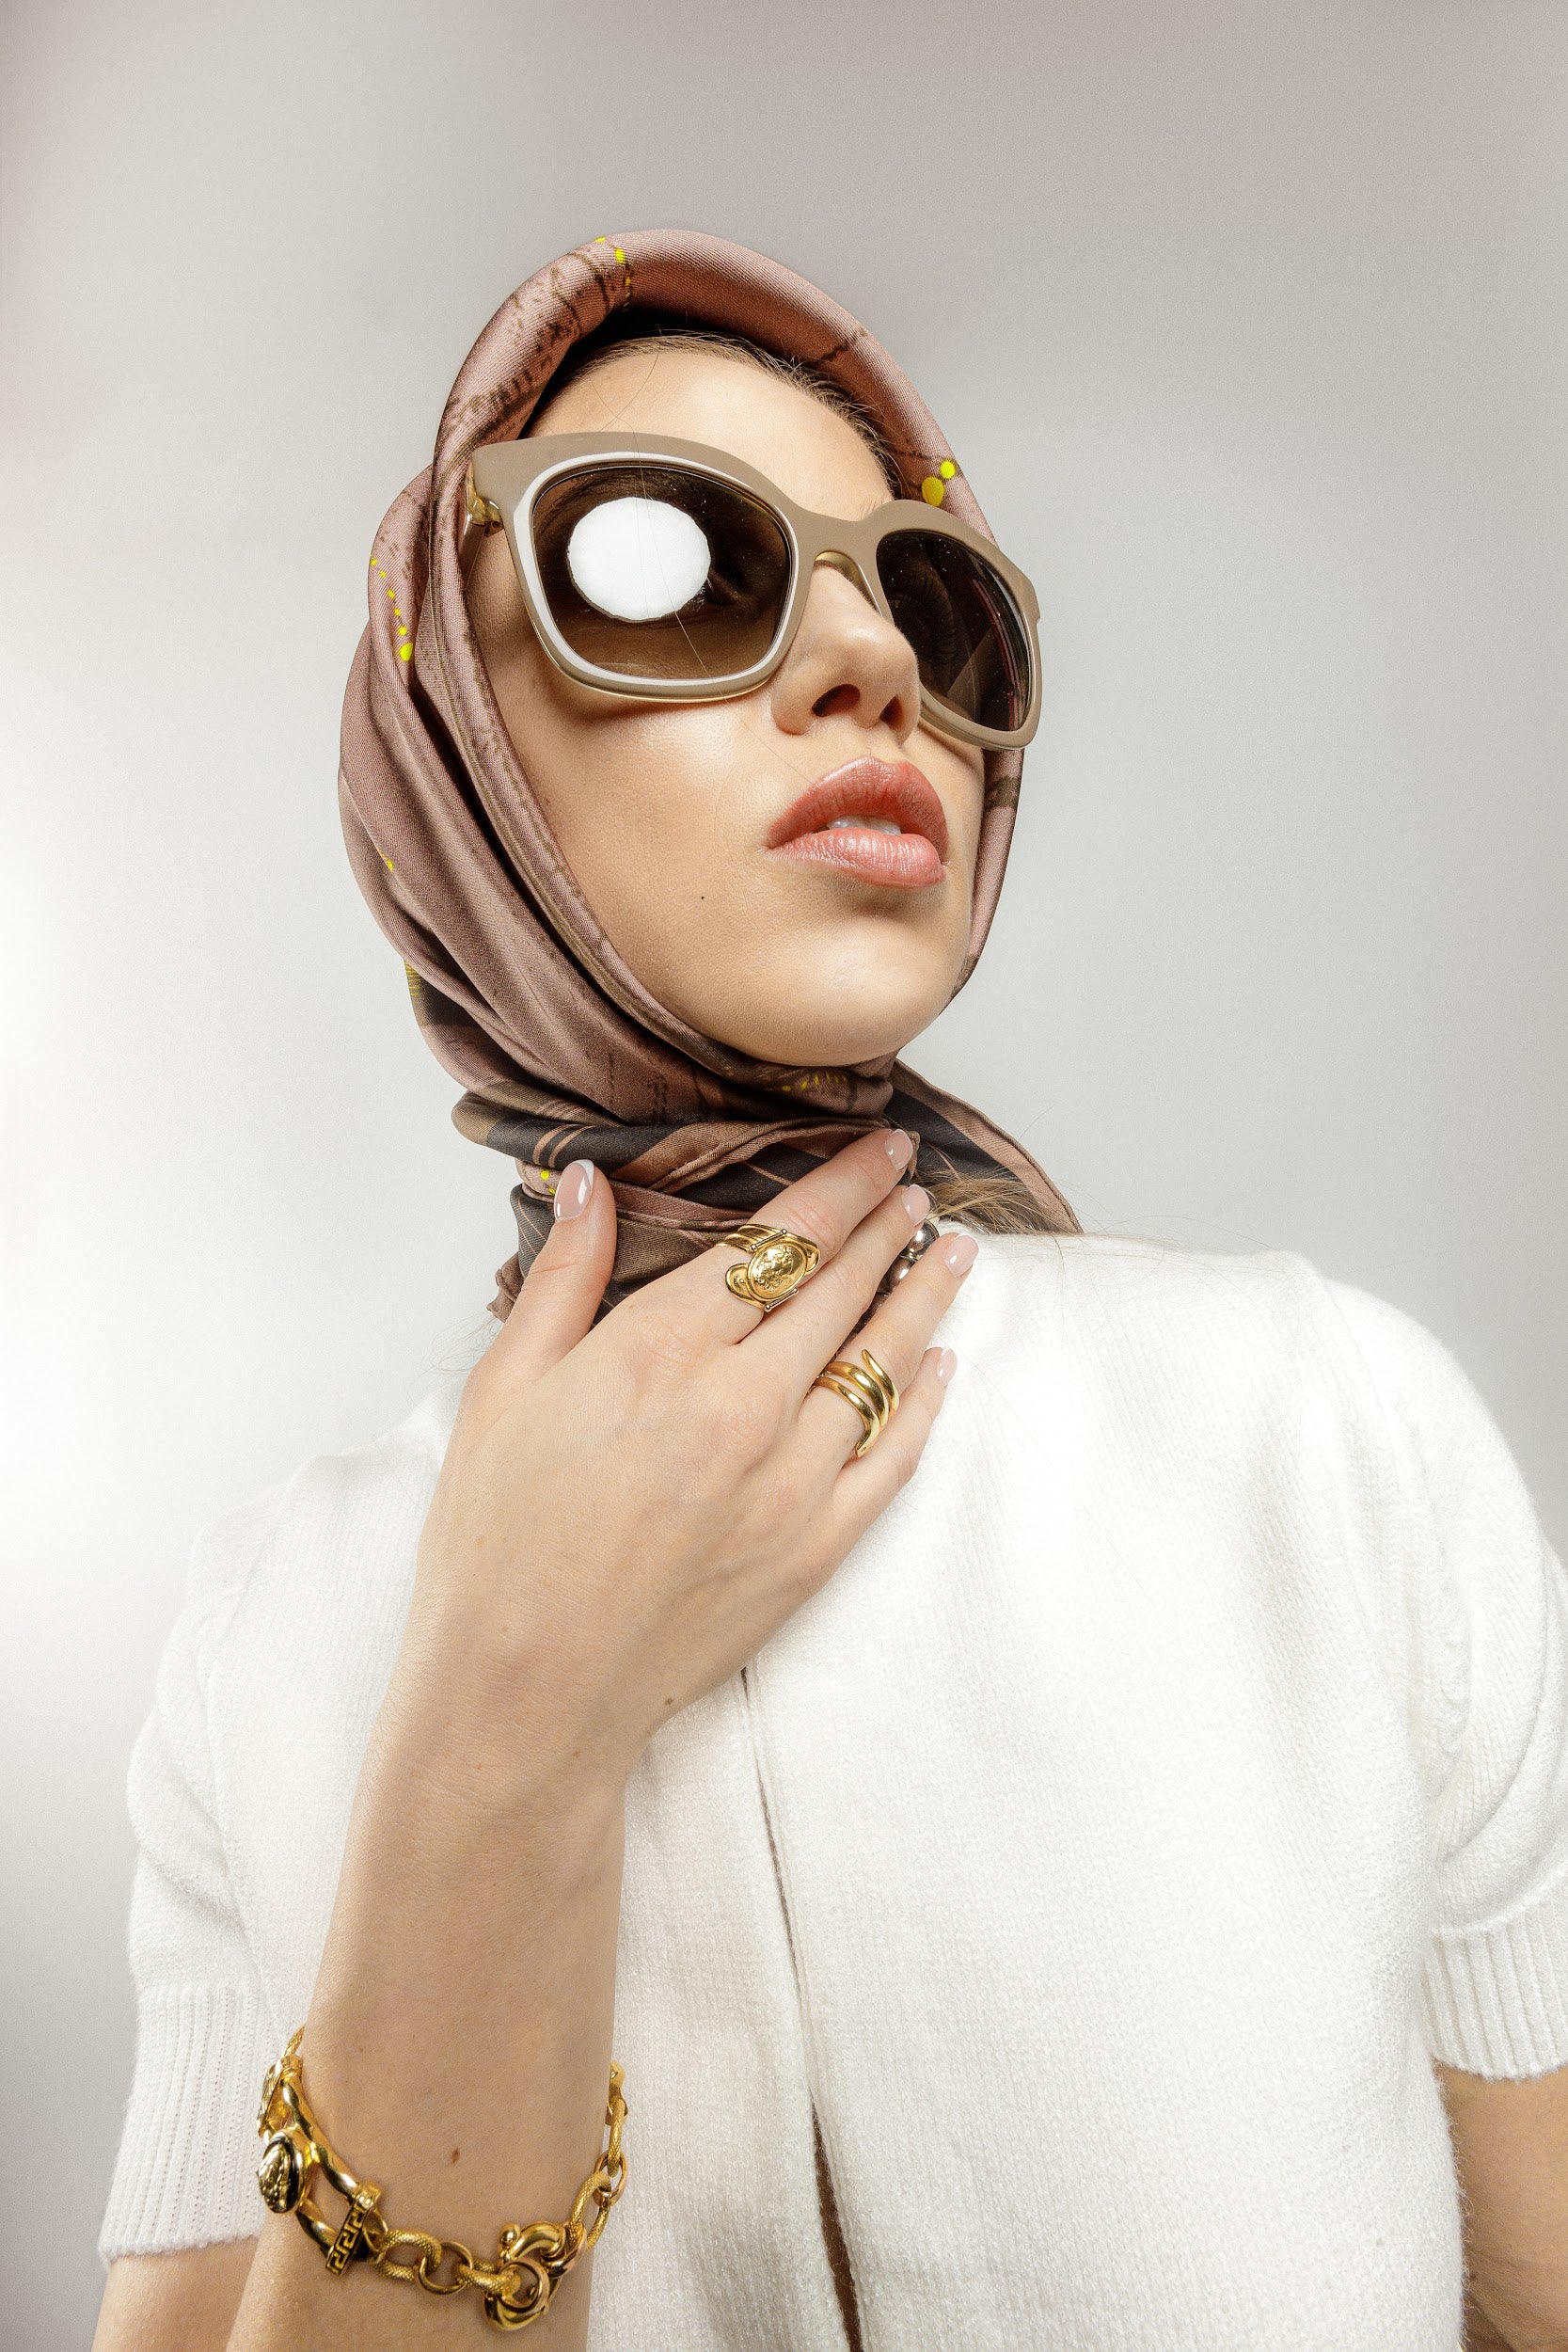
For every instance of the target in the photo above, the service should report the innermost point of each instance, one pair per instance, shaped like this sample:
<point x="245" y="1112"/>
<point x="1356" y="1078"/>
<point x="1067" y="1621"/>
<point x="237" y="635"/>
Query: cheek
<point x="652" y="814"/>
<point x="621" y="785"/>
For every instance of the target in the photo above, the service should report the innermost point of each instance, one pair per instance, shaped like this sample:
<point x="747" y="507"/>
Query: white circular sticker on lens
<point x="638" y="559"/>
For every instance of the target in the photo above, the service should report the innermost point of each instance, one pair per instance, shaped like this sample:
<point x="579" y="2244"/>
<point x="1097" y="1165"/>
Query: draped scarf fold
<point x="562" y="1052"/>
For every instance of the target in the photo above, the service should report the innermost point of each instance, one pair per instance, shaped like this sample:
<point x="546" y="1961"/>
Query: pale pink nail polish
<point x="898" y="1146"/>
<point x="572" y="1189"/>
<point x="916" y="1201"/>
<point x="958" y="1252"/>
<point x="947" y="1364"/>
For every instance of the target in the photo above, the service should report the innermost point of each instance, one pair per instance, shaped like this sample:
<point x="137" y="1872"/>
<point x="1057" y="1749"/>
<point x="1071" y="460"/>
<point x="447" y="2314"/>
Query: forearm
<point x="458" y="2044"/>
<point x="1479" y="2334"/>
<point x="1511" y="2155"/>
<point x="1484" y="2334"/>
<point x="1507" y="2329"/>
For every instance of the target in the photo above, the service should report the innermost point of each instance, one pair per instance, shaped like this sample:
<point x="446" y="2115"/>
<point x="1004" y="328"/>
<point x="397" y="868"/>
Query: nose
<point x="846" y="660"/>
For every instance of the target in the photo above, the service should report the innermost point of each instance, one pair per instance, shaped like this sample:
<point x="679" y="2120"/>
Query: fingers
<point x="897" y="1335"/>
<point x="825" y="1207"/>
<point x="563" y="1286"/>
<point x="802" y="1335"/>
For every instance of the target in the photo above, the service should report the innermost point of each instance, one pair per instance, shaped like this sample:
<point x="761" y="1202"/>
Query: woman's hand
<point x="627" y="1511"/>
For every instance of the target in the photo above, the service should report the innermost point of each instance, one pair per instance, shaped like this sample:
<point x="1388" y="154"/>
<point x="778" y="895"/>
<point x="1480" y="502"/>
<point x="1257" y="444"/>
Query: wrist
<point x="520" y="1784"/>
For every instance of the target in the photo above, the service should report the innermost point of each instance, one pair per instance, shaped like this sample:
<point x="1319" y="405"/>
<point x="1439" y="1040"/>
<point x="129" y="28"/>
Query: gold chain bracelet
<point x="530" y="2264"/>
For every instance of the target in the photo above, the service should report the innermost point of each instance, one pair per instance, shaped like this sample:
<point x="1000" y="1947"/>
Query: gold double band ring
<point x="868" y="1386"/>
<point x="777" y="1263"/>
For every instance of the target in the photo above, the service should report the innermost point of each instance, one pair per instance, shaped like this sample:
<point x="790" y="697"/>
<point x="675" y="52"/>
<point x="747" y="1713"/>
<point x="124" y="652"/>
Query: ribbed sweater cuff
<point x="187" y="2170"/>
<point x="1495" y="2000"/>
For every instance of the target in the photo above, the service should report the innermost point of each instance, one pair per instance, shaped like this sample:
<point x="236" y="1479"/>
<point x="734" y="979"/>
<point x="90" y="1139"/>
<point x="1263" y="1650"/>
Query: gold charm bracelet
<point x="515" y="2288"/>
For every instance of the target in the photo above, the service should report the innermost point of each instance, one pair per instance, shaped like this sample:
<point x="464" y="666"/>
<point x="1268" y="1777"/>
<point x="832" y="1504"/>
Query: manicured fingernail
<point x="898" y="1146"/>
<point x="947" y="1364"/>
<point x="916" y="1201"/>
<point x="572" y="1189"/>
<point x="959" y="1252"/>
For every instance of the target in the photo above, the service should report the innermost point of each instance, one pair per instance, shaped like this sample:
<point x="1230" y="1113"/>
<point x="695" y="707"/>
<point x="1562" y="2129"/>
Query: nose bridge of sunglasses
<point x="834" y="560"/>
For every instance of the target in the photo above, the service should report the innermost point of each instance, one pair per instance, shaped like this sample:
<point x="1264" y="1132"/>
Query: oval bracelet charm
<point x="281" y="2174"/>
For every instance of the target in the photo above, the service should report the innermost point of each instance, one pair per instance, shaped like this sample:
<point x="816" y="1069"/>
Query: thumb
<point x="563" y="1288"/>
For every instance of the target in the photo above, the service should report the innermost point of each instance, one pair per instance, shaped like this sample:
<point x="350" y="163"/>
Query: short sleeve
<point x="185" y="2171"/>
<point x="1493" y="1988"/>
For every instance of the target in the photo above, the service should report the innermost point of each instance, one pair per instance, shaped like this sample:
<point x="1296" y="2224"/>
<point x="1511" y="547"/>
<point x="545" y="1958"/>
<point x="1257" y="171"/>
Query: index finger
<point x="824" y="1207"/>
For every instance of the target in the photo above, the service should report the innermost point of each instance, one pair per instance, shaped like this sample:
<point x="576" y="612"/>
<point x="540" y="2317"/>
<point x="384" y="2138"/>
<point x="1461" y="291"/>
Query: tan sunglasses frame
<point x="506" y="477"/>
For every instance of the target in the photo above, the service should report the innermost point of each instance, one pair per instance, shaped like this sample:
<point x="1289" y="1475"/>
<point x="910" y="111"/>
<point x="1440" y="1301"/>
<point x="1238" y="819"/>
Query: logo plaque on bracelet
<point x="777" y="1263"/>
<point x="351" y="2229"/>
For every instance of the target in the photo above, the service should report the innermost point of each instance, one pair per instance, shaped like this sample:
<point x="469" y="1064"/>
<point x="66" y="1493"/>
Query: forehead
<point x="816" y="456"/>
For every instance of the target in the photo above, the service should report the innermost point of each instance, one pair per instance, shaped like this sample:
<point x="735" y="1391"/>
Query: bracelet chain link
<point x="530" y="2264"/>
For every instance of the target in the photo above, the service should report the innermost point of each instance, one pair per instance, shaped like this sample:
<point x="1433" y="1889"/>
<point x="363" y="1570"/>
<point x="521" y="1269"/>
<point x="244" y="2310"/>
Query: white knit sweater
<point x="1180" y="1761"/>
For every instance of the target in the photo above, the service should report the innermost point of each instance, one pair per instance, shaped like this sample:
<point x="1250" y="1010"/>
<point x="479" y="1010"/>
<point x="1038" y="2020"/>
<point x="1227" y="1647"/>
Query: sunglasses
<point x="675" y="572"/>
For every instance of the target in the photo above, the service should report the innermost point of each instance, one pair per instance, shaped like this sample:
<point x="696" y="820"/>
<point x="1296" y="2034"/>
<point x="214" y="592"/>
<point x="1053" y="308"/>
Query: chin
<point x="808" y="993"/>
<point x="808" y="1026"/>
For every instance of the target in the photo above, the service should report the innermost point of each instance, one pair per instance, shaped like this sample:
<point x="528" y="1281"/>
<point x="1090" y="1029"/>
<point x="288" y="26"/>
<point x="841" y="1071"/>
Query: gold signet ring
<point x="777" y="1263"/>
<point x="869" y="1387"/>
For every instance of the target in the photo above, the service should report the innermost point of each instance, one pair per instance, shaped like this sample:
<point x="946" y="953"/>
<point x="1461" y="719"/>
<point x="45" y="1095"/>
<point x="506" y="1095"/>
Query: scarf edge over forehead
<point x="562" y="1052"/>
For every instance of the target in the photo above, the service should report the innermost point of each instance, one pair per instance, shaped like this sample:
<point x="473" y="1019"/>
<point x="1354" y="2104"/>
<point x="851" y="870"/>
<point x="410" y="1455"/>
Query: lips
<point x="818" y="829"/>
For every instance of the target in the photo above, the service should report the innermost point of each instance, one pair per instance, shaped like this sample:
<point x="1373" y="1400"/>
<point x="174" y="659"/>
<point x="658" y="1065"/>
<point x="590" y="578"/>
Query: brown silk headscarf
<point x="562" y="1052"/>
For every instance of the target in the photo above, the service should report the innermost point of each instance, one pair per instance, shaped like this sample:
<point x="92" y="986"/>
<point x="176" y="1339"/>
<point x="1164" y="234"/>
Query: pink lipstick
<point x="874" y="821"/>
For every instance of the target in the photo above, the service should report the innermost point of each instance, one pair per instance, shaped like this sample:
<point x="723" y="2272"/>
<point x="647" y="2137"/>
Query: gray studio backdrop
<point x="1247" y="324"/>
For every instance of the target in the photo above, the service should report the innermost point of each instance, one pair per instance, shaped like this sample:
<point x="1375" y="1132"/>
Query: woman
<point x="1039" y="1928"/>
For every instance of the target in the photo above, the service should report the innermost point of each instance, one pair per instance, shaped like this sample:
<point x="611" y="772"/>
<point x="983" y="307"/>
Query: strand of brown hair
<point x="991" y="1204"/>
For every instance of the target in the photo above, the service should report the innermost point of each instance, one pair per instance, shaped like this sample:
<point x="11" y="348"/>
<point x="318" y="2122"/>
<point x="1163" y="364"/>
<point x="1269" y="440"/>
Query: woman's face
<point x="772" y="924"/>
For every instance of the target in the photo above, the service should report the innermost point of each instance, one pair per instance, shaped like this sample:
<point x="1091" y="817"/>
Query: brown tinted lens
<point x="968" y="635"/>
<point x="654" y="572"/>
